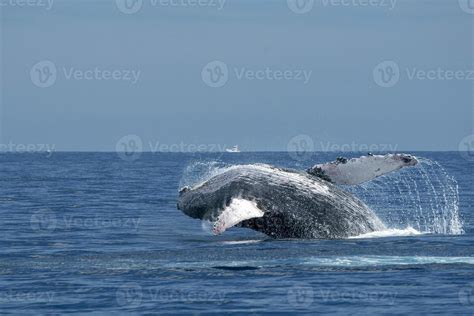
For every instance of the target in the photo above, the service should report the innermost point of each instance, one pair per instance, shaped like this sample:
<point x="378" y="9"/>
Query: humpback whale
<point x="287" y="203"/>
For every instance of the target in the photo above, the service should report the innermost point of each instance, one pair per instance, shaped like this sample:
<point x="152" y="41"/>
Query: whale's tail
<point x="359" y="170"/>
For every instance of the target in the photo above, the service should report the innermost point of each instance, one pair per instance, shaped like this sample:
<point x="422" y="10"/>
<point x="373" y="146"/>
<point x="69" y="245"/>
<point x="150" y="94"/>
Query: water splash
<point x="389" y="232"/>
<point x="201" y="171"/>
<point x="206" y="227"/>
<point x="425" y="198"/>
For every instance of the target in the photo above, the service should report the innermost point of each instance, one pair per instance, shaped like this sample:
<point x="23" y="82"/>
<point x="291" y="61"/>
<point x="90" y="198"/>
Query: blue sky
<point x="144" y="74"/>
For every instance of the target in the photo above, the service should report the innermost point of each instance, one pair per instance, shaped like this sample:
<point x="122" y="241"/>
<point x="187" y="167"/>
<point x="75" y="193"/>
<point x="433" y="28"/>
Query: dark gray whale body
<point x="284" y="203"/>
<point x="294" y="204"/>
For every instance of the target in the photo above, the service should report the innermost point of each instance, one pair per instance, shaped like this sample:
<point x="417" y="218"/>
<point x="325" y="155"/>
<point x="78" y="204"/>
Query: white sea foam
<point x="389" y="232"/>
<point x="241" y="242"/>
<point x="361" y="261"/>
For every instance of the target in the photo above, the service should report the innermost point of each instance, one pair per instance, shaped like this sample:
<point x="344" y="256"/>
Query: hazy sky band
<point x="266" y="99"/>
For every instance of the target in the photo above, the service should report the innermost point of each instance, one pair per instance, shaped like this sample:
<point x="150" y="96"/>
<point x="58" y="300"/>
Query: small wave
<point x="361" y="261"/>
<point x="391" y="232"/>
<point x="241" y="242"/>
<point x="236" y="268"/>
<point x="331" y="261"/>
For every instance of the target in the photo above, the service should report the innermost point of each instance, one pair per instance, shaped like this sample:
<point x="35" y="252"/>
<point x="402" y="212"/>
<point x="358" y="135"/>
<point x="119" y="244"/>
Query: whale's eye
<point x="406" y="159"/>
<point x="184" y="190"/>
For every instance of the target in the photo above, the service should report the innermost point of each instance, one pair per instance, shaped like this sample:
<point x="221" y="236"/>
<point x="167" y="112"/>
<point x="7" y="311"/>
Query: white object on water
<point x="234" y="149"/>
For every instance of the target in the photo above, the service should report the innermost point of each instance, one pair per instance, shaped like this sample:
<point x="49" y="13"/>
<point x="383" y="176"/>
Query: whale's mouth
<point x="238" y="210"/>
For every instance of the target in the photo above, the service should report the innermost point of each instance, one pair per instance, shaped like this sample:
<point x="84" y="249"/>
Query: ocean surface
<point x="94" y="233"/>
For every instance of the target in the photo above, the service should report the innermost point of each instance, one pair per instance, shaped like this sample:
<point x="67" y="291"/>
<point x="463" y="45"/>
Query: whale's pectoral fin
<point x="237" y="211"/>
<point x="362" y="169"/>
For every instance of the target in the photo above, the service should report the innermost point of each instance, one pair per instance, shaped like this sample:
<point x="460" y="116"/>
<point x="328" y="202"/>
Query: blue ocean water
<point x="92" y="233"/>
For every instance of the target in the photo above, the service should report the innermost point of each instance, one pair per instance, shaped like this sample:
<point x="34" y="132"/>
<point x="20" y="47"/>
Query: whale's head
<point x="193" y="205"/>
<point x="234" y="196"/>
<point x="223" y="209"/>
